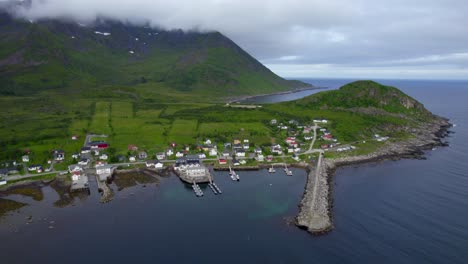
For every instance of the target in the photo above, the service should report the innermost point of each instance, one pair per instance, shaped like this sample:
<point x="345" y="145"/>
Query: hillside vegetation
<point x="69" y="57"/>
<point x="355" y="112"/>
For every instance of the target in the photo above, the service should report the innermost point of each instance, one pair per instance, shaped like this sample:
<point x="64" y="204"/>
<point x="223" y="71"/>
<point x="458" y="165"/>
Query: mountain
<point x="367" y="97"/>
<point x="55" y="54"/>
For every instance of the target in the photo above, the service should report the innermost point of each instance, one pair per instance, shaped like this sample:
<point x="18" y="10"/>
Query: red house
<point x="103" y="145"/>
<point x="222" y="161"/>
<point x="132" y="148"/>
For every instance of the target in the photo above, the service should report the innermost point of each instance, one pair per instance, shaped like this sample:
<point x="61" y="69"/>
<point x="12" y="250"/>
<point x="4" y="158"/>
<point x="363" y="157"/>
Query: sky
<point x="404" y="39"/>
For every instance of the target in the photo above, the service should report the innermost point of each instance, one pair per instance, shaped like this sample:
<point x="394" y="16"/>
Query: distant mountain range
<point x="54" y="54"/>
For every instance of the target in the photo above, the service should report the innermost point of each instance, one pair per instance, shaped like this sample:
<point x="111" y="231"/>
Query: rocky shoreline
<point x="315" y="214"/>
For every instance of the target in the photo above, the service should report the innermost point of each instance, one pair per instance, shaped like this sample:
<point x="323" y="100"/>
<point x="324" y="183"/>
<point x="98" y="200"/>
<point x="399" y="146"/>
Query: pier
<point x="215" y="188"/>
<point x="314" y="212"/>
<point x="197" y="190"/>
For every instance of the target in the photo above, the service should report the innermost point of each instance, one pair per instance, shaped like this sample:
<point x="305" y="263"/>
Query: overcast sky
<point x="425" y="39"/>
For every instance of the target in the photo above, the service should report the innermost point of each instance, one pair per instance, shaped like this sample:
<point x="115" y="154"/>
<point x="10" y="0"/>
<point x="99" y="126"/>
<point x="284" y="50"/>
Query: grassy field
<point x="135" y="116"/>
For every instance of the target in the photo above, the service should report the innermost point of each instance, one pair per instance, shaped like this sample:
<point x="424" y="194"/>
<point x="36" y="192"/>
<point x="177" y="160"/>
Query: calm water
<point x="408" y="211"/>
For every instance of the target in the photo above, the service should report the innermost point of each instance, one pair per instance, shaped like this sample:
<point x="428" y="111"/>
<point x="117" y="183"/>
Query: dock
<point x="82" y="184"/>
<point x="196" y="188"/>
<point x="215" y="188"/>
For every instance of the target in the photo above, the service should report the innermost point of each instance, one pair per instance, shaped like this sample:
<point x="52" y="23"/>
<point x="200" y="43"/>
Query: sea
<point x="407" y="211"/>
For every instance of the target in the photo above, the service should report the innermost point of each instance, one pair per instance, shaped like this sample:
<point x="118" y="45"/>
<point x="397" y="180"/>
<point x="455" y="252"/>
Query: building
<point x="202" y="156"/>
<point x="198" y="174"/>
<point x="104" y="172"/>
<point x="104" y="157"/>
<point x="222" y="161"/>
<point x="226" y="154"/>
<point x="132" y="148"/>
<point x="179" y="154"/>
<point x="75" y="156"/>
<point x="85" y="150"/>
<point x="156" y="164"/>
<point x="169" y="152"/>
<point x="142" y="155"/>
<point x="3" y="181"/>
<point x="83" y="162"/>
<point x="213" y="152"/>
<point x="59" y="155"/>
<point x="98" y="145"/>
<point x="240" y="153"/>
<point x="74" y="137"/>
<point x="79" y="181"/>
<point x="161" y="156"/>
<point x="260" y="158"/>
<point x="274" y="122"/>
<point x="35" y="167"/>
<point x="25" y="158"/>
<point x="258" y="150"/>
<point x="74" y="168"/>
<point x="100" y="163"/>
<point x="246" y="146"/>
<point x="132" y="159"/>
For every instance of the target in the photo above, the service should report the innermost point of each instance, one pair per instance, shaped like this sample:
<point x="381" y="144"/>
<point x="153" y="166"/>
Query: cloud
<point x="361" y="36"/>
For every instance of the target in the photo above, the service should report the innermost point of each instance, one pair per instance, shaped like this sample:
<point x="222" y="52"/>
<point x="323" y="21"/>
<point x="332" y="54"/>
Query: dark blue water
<point x="409" y="211"/>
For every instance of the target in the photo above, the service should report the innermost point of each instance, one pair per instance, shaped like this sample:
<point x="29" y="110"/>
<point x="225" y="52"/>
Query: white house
<point x="75" y="156"/>
<point x="75" y="168"/>
<point x="169" y="152"/>
<point x="25" y="158"/>
<point x="290" y="150"/>
<point x="240" y="153"/>
<point x="2" y="181"/>
<point x="83" y="162"/>
<point x="273" y="121"/>
<point x="161" y="156"/>
<point x="207" y="142"/>
<point x="132" y="158"/>
<point x="179" y="154"/>
<point x="260" y="158"/>
<point x="201" y="156"/>
<point x="158" y="165"/>
<point x="106" y="169"/>
<point x="213" y="152"/>
<point x="104" y="157"/>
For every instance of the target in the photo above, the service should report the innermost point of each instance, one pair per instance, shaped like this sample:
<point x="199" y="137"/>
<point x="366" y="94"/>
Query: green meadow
<point x="136" y="116"/>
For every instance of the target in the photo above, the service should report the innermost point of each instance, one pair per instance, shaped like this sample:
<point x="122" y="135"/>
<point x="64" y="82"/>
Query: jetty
<point x="107" y="193"/>
<point x="314" y="212"/>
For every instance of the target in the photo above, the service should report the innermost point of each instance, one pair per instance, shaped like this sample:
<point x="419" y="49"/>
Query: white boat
<point x="271" y="170"/>
<point x="289" y="173"/>
<point x="237" y="177"/>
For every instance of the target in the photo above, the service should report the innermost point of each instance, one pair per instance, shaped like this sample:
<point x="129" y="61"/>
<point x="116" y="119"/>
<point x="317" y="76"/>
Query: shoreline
<point x="317" y="219"/>
<point x="239" y="99"/>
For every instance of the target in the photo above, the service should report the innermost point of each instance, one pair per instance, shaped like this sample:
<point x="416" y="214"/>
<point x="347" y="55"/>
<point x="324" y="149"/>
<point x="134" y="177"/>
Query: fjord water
<point x="408" y="211"/>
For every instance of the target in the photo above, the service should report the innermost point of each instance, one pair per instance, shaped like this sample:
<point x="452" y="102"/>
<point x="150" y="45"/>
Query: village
<point x="191" y="163"/>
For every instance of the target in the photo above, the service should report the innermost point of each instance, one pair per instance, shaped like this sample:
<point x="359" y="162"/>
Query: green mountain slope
<point x="367" y="97"/>
<point x="53" y="54"/>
